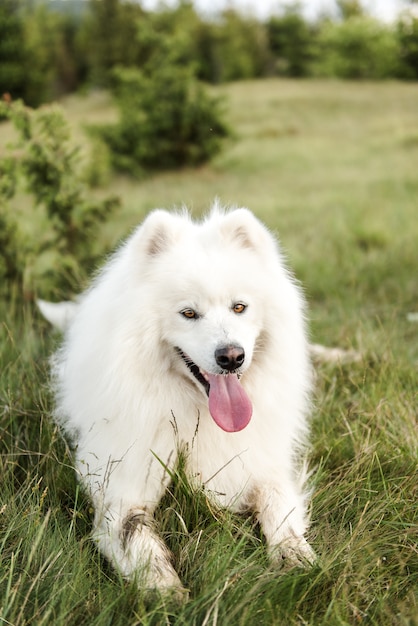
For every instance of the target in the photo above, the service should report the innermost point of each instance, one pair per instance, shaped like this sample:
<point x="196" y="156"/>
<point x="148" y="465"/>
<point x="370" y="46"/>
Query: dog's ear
<point x="158" y="232"/>
<point x="242" y="227"/>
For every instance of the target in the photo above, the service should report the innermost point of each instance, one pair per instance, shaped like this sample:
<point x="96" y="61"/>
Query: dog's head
<point x="212" y="288"/>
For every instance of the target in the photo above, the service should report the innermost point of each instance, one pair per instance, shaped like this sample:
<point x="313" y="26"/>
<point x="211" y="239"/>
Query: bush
<point x="292" y="43"/>
<point x="237" y="48"/>
<point x="358" y="48"/>
<point x="12" y="52"/>
<point x="46" y="165"/>
<point x="407" y="31"/>
<point x="167" y="119"/>
<point x="107" y="37"/>
<point x="38" y="56"/>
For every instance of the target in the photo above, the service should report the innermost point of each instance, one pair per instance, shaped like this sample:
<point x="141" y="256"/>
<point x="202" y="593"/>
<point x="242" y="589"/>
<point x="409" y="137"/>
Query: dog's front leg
<point x="281" y="513"/>
<point x="129" y="541"/>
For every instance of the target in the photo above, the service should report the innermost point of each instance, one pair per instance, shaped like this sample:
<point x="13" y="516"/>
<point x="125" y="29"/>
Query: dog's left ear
<point x="242" y="227"/>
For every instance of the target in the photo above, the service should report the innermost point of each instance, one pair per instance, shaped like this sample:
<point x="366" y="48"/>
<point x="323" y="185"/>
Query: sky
<point x="386" y="10"/>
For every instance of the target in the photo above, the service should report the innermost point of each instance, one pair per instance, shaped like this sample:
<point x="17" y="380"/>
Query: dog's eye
<point x="239" y="307"/>
<point x="190" y="314"/>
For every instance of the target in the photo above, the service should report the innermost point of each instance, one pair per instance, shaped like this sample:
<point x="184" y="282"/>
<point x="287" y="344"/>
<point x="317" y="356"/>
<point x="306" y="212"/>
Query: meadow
<point x="332" y="167"/>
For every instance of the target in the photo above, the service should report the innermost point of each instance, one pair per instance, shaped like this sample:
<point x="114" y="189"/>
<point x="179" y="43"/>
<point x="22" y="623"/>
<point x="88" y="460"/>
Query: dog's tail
<point x="322" y="354"/>
<point x="59" y="314"/>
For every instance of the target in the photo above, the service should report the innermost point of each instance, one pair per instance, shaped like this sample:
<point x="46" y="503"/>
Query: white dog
<point x="191" y="338"/>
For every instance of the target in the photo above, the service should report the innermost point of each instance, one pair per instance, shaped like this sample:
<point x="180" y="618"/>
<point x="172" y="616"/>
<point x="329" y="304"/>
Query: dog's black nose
<point x="230" y="358"/>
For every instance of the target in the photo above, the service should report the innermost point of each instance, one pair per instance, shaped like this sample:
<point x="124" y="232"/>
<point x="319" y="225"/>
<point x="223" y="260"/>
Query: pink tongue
<point x="229" y="405"/>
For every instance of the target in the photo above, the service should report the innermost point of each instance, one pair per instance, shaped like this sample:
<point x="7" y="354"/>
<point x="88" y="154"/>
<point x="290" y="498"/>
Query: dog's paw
<point x="155" y="575"/>
<point x="139" y="555"/>
<point x="294" y="552"/>
<point x="161" y="579"/>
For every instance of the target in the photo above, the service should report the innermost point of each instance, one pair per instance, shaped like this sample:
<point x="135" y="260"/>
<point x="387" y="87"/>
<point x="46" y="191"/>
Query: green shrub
<point x="358" y="48"/>
<point x="12" y="53"/>
<point x="167" y="119"/>
<point x="39" y="55"/>
<point x="45" y="166"/>
<point x="107" y="37"/>
<point x="237" y="48"/>
<point x="407" y="32"/>
<point x="292" y="42"/>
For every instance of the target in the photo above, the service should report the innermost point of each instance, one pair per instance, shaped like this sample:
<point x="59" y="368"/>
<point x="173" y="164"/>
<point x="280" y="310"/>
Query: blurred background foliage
<point x="45" y="165"/>
<point x="155" y="64"/>
<point x="49" y="48"/>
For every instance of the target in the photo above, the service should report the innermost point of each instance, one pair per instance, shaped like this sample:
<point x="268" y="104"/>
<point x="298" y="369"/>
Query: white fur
<point x="60" y="314"/>
<point x="125" y="393"/>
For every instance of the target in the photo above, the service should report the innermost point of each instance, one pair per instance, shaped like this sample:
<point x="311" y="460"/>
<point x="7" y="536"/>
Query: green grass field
<point x="333" y="168"/>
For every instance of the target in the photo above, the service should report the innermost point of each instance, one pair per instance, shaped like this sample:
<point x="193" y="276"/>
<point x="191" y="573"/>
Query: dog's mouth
<point x="229" y="404"/>
<point x="195" y="370"/>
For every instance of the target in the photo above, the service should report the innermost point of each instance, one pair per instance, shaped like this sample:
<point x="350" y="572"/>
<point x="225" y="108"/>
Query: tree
<point x="12" y="52"/>
<point x="37" y="57"/>
<point x="239" y="48"/>
<point x="292" y="43"/>
<point x="407" y="32"/>
<point x="42" y="37"/>
<point x="358" y="48"/>
<point x="108" y="37"/>
<point x="350" y="8"/>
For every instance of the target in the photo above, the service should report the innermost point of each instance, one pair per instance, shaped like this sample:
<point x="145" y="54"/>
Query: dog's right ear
<point x="159" y="232"/>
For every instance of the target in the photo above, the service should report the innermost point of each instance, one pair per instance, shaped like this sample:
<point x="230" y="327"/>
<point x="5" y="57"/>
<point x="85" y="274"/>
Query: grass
<point x="332" y="167"/>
